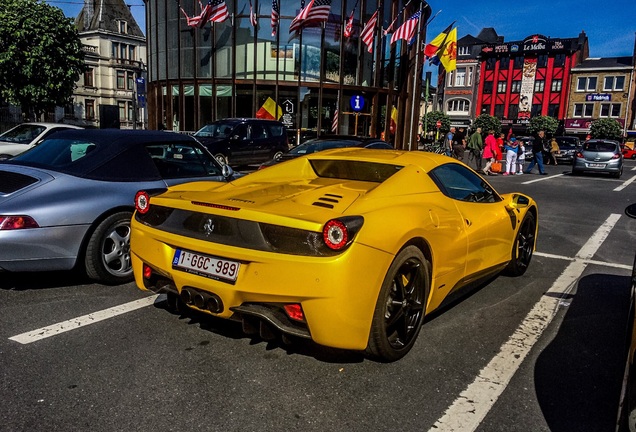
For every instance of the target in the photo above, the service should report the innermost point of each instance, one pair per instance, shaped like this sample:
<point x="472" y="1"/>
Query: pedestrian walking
<point x="537" y="153"/>
<point x="554" y="149"/>
<point x="448" y="142"/>
<point x="475" y="146"/>
<point x="521" y="157"/>
<point x="490" y="152"/>
<point x="511" y="156"/>
<point x="459" y="144"/>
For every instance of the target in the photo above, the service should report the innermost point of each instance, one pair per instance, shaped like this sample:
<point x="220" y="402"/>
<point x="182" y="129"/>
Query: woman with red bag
<point x="491" y="153"/>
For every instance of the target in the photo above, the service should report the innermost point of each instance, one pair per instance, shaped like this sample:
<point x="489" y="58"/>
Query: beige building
<point x="112" y="90"/>
<point x="601" y="88"/>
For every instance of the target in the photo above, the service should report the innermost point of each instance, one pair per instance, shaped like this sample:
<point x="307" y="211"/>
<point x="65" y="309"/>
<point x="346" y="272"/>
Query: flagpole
<point x="415" y="96"/>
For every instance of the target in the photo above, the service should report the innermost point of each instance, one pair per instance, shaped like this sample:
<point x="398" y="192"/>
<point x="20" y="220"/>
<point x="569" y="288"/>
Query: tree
<point x="545" y="123"/>
<point x="606" y="128"/>
<point x="486" y="123"/>
<point x="41" y="56"/>
<point x="431" y="119"/>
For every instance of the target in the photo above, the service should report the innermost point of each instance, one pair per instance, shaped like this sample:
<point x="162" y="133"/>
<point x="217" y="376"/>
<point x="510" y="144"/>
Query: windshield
<point x="218" y="130"/>
<point x="22" y="134"/>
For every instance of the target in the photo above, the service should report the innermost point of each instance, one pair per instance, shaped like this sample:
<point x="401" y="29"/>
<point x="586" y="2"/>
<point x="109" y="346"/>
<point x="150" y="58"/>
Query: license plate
<point x="595" y="165"/>
<point x="205" y="265"/>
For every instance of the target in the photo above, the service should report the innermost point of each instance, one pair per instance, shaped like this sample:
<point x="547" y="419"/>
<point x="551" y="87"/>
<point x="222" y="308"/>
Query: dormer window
<point x="123" y="26"/>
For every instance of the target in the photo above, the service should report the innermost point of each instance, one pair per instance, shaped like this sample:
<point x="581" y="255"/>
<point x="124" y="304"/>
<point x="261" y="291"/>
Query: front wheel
<point x="400" y="308"/>
<point x="108" y="250"/>
<point x="523" y="247"/>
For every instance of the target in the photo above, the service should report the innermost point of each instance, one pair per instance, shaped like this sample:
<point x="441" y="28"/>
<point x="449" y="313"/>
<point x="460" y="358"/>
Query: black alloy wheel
<point x="523" y="247"/>
<point x="400" y="308"/>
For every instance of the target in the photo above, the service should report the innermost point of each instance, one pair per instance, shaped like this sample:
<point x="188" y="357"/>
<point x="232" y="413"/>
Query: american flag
<point x="368" y="32"/>
<point x="253" y="19"/>
<point x="349" y="25"/>
<point x="198" y="20"/>
<point x="219" y="11"/>
<point x="275" y="16"/>
<point x="407" y="30"/>
<point x="315" y="12"/>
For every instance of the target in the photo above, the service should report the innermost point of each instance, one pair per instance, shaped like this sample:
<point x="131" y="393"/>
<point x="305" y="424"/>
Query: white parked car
<point x="27" y="135"/>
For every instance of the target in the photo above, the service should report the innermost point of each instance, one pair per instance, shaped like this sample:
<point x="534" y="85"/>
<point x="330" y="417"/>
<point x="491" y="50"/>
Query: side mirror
<point x="227" y="171"/>
<point x="631" y="211"/>
<point x="517" y="201"/>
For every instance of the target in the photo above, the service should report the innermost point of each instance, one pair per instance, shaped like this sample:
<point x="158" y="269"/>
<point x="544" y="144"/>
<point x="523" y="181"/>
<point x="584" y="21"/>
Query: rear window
<point x="276" y="130"/>
<point x="23" y="134"/>
<point x="600" y="146"/>
<point x="354" y="170"/>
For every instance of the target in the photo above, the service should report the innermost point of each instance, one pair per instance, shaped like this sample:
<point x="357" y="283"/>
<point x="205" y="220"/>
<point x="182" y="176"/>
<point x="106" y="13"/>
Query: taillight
<point x="17" y="222"/>
<point x="294" y="311"/>
<point x="142" y="202"/>
<point x="616" y="156"/>
<point x="579" y="155"/>
<point x="338" y="233"/>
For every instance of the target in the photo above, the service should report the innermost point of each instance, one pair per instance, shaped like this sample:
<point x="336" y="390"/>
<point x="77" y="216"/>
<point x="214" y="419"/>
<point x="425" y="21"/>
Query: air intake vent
<point x="11" y="182"/>
<point x="328" y="201"/>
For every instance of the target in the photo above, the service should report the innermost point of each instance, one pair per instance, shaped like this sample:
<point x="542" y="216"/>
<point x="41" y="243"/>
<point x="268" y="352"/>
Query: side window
<point x="181" y="160"/>
<point x="258" y="132"/>
<point x="459" y="183"/>
<point x="275" y="130"/>
<point x="240" y="132"/>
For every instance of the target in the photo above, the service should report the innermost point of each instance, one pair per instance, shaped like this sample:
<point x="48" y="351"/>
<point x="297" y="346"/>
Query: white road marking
<point x="75" y="323"/>
<point x="596" y="262"/>
<point x="541" y="178"/>
<point x="626" y="183"/>
<point x="474" y="403"/>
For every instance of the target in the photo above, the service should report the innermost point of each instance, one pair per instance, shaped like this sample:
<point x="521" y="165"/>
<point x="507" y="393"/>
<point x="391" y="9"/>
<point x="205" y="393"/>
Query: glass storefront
<point x="229" y="69"/>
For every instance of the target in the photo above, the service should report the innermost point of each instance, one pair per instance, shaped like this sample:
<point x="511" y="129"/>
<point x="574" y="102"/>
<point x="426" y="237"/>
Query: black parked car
<point x="244" y="141"/>
<point x="568" y="146"/>
<point x="328" y="142"/>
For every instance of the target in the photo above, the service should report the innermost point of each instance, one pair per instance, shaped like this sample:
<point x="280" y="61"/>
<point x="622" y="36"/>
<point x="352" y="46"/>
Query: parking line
<point x="473" y="404"/>
<point x="625" y="184"/>
<point x="75" y="323"/>
<point x="541" y="178"/>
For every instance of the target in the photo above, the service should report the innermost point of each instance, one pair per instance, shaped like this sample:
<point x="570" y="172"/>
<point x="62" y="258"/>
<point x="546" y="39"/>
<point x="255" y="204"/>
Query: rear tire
<point x="400" y="308"/>
<point x="108" y="251"/>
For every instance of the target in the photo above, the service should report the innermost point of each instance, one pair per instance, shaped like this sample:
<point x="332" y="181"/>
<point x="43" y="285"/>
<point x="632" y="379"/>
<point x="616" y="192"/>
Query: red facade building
<point x="522" y="79"/>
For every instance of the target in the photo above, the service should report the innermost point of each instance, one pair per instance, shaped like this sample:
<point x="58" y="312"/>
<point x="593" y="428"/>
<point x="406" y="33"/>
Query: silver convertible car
<point x="67" y="203"/>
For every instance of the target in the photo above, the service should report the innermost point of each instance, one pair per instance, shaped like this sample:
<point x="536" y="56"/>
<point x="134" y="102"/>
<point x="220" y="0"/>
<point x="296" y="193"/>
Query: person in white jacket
<point x="511" y="156"/>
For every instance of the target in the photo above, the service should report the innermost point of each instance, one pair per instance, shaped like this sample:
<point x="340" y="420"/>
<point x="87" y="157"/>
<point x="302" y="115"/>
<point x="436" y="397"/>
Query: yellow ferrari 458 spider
<point x="350" y="248"/>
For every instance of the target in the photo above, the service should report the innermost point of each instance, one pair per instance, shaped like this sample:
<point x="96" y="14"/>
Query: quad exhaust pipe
<point x="201" y="299"/>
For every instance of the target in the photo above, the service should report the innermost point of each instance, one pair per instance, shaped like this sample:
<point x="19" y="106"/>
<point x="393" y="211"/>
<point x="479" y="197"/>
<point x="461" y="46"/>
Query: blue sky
<point x="609" y="25"/>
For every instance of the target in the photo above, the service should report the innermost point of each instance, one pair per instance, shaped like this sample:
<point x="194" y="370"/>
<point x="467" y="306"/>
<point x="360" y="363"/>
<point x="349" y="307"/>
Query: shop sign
<point x="598" y="97"/>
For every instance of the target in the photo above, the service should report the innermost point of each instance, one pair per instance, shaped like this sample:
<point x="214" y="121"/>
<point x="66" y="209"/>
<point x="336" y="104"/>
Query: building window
<point x="130" y="107"/>
<point x="583" y="109"/>
<point x="504" y="63"/>
<point x="490" y="63"/>
<point x="450" y="78"/>
<point x="69" y="110"/>
<point x="513" y="111"/>
<point x="458" y="106"/>
<point x="131" y="52"/>
<point x="518" y="62"/>
<point x="559" y="60"/>
<point x="557" y="84"/>
<point x="114" y="53"/>
<point x="88" y="78"/>
<point x="535" y="110"/>
<point x="130" y="80"/>
<point x="516" y="87"/>
<point x="460" y="77"/>
<point x="463" y="50"/>
<point x="90" y="109"/>
<point x="122" y="110"/>
<point x="485" y="109"/>
<point x="488" y="87"/>
<point x="586" y="84"/>
<point x="499" y="110"/>
<point x="553" y="110"/>
<point x="469" y="77"/>
<point x="501" y="87"/>
<point x="123" y="26"/>
<point x="539" y="86"/>
<point x="542" y="60"/>
<point x="610" y="110"/>
<point x="121" y="80"/>
<point x="615" y="83"/>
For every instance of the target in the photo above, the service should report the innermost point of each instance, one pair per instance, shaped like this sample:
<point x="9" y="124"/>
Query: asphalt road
<point x="543" y="352"/>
